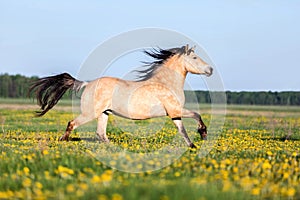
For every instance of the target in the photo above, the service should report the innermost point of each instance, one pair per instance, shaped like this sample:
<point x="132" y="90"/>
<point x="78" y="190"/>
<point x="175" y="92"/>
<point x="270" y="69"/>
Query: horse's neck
<point x="169" y="77"/>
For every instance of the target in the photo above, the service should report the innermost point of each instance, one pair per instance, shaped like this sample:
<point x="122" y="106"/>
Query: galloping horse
<point x="158" y="92"/>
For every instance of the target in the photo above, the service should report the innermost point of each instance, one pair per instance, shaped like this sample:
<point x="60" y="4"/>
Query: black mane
<point x="160" y="56"/>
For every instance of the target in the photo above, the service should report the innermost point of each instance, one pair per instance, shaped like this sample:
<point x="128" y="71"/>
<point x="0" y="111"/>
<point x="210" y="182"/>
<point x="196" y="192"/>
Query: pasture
<point x="250" y="159"/>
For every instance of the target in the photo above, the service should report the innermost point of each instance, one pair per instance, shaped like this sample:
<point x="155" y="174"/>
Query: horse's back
<point x="130" y="99"/>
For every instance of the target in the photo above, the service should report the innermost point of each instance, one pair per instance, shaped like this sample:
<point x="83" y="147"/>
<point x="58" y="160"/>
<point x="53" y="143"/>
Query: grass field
<point x="250" y="159"/>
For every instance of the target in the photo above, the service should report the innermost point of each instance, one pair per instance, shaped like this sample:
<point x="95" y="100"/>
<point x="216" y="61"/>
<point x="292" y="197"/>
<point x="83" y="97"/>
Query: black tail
<point x="49" y="90"/>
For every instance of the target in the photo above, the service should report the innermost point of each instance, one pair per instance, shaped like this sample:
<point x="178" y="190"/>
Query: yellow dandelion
<point x="286" y="175"/>
<point x="96" y="179"/>
<point x="106" y="177"/>
<point x="291" y="192"/>
<point x="102" y="197"/>
<point x="283" y="191"/>
<point x="64" y="171"/>
<point x="88" y="170"/>
<point x="70" y="188"/>
<point x="45" y="152"/>
<point x="116" y="197"/>
<point x="26" y="171"/>
<point x="47" y="175"/>
<point x="26" y="182"/>
<point x="266" y="165"/>
<point x="83" y="186"/>
<point x="98" y="163"/>
<point x="177" y="174"/>
<point x="255" y="191"/>
<point x="222" y="165"/>
<point x="269" y="153"/>
<point x="6" y="195"/>
<point x="38" y="185"/>
<point x="227" y="161"/>
<point x="235" y="170"/>
<point x="38" y="193"/>
<point x="81" y="176"/>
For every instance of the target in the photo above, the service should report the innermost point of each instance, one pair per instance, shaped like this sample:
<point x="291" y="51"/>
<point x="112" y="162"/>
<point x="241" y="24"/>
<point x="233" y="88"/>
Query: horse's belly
<point x="138" y="109"/>
<point x="142" y="111"/>
<point x="141" y="100"/>
<point x="137" y="103"/>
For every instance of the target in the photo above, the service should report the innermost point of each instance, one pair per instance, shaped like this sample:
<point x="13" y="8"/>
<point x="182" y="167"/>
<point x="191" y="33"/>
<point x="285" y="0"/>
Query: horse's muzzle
<point x="208" y="71"/>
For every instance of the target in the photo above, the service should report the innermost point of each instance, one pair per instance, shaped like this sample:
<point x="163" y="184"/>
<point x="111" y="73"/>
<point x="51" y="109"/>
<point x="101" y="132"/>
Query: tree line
<point x="248" y="98"/>
<point x="16" y="86"/>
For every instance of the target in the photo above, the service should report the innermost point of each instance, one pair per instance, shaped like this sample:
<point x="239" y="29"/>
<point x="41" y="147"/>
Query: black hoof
<point x="203" y="133"/>
<point x="63" y="138"/>
<point x="193" y="146"/>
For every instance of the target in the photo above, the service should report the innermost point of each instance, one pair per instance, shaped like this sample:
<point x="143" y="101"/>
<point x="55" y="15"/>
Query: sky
<point x="254" y="45"/>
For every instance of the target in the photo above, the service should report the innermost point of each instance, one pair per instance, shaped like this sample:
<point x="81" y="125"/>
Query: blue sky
<point x="255" y="45"/>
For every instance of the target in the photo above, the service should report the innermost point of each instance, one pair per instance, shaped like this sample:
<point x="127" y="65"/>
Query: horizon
<point x="33" y="76"/>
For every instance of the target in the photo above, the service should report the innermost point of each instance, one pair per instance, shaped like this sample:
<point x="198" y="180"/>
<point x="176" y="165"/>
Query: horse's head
<point x="193" y="63"/>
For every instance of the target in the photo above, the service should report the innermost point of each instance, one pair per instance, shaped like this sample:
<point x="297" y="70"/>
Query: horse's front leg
<point x="201" y="126"/>
<point x="101" y="128"/>
<point x="182" y="131"/>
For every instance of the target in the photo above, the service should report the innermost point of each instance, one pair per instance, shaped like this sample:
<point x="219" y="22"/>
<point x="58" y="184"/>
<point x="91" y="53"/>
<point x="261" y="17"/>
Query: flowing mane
<point x="160" y="56"/>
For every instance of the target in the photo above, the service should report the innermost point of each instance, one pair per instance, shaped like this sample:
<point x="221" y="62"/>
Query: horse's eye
<point x="195" y="57"/>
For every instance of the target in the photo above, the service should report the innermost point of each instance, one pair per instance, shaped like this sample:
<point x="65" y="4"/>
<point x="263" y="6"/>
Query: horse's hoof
<point x="193" y="146"/>
<point x="105" y="141"/>
<point x="62" y="138"/>
<point x="204" y="137"/>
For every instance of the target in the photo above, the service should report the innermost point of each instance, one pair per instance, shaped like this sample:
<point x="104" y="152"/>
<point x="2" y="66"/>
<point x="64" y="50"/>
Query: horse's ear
<point x="191" y="50"/>
<point x="186" y="49"/>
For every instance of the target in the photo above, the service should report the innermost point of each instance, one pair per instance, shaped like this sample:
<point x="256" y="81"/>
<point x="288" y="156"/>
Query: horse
<point x="157" y="92"/>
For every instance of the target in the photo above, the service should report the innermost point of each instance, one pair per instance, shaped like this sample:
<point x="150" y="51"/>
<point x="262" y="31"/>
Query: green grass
<point x="250" y="159"/>
<point x="29" y="101"/>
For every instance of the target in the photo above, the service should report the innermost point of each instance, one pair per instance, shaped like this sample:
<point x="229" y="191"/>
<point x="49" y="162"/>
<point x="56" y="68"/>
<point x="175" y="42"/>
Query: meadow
<point x="250" y="159"/>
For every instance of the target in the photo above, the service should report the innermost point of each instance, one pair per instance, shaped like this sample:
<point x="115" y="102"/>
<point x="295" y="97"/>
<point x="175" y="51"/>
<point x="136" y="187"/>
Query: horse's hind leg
<point x="69" y="128"/>
<point x="101" y="128"/>
<point x="80" y="120"/>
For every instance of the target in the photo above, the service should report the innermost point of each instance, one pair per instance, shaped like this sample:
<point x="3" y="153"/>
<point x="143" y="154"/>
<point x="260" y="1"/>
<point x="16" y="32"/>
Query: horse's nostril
<point x="209" y="70"/>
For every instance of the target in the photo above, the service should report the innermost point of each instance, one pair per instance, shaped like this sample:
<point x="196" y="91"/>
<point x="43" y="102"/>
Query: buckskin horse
<point x="157" y="92"/>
